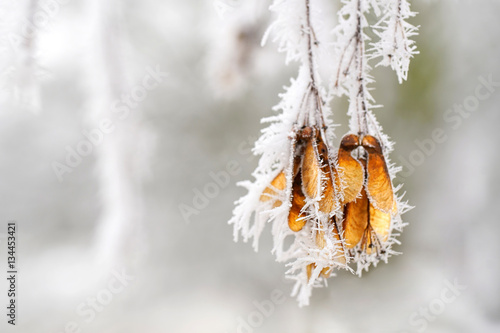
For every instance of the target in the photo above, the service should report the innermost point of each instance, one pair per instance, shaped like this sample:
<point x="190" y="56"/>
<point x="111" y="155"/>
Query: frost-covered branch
<point x="352" y="74"/>
<point x="395" y="46"/>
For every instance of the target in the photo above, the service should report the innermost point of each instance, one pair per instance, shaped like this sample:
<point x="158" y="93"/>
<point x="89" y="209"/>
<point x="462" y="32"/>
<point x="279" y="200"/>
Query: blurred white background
<point x="118" y="209"/>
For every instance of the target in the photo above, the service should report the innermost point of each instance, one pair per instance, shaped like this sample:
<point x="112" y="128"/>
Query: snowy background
<point x="117" y="212"/>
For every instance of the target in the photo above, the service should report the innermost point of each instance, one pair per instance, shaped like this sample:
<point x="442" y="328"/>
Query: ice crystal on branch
<point x="395" y="46"/>
<point x="338" y="205"/>
<point x="352" y="74"/>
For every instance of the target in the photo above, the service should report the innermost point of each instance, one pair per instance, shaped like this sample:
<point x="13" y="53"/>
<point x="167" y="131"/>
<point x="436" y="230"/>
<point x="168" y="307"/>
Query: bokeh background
<point x="119" y="209"/>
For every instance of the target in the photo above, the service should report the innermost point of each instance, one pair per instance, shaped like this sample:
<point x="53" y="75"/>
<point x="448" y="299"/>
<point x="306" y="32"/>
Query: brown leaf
<point x="352" y="171"/>
<point x="355" y="220"/>
<point x="370" y="242"/>
<point x="296" y="219"/>
<point x="378" y="183"/>
<point x="328" y="202"/>
<point x="277" y="184"/>
<point x="311" y="172"/>
<point x="380" y="222"/>
<point x="340" y="255"/>
<point x="298" y="202"/>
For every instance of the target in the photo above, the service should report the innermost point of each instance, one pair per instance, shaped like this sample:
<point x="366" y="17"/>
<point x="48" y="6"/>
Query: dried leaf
<point x="328" y="199"/>
<point x="311" y="172"/>
<point x="370" y="242"/>
<point x="277" y="184"/>
<point x="328" y="202"/>
<point x="296" y="218"/>
<point x="352" y="171"/>
<point x="340" y="255"/>
<point x="378" y="183"/>
<point x="355" y="220"/>
<point x="380" y="222"/>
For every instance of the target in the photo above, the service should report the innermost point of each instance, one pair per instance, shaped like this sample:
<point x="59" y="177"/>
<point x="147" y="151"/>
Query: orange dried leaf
<point x="277" y="184"/>
<point x="296" y="220"/>
<point x="311" y="172"/>
<point x="328" y="200"/>
<point x="380" y="222"/>
<point x="370" y="242"/>
<point x="352" y="174"/>
<point x="340" y="255"/>
<point x="355" y="220"/>
<point x="367" y="244"/>
<point x="378" y="183"/>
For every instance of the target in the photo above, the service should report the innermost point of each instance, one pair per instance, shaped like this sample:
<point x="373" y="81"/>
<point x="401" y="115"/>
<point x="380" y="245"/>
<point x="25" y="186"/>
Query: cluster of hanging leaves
<point x="353" y="189"/>
<point x="337" y="202"/>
